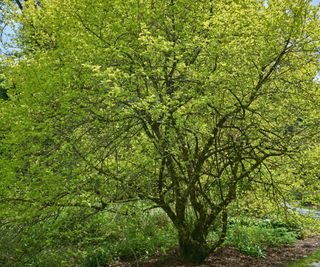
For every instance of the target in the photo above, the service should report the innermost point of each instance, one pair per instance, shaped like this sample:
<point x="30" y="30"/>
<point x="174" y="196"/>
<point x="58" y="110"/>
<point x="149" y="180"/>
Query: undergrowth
<point x="76" y="239"/>
<point x="252" y="237"/>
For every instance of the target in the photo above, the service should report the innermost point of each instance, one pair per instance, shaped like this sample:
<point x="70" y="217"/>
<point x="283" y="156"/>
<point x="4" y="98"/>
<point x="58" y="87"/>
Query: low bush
<point x="76" y="239"/>
<point x="254" y="236"/>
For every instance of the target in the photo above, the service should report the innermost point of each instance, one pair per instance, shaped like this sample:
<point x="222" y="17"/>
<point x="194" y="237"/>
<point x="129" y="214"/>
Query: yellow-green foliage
<point x="189" y="105"/>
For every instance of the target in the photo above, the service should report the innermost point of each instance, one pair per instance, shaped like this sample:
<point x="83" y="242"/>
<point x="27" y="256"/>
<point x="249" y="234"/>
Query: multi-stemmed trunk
<point x="193" y="244"/>
<point x="193" y="249"/>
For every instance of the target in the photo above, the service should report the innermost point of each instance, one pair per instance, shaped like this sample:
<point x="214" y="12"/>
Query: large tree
<point x="184" y="104"/>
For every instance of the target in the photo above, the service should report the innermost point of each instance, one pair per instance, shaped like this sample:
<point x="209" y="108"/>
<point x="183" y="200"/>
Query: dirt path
<point x="231" y="257"/>
<point x="276" y="257"/>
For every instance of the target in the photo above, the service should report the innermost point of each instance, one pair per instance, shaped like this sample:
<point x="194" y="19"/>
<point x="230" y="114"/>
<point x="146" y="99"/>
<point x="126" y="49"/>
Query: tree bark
<point x="193" y="250"/>
<point x="19" y="4"/>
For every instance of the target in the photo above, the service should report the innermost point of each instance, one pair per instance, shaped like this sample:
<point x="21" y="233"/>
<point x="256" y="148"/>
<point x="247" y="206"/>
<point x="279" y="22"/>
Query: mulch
<point x="232" y="257"/>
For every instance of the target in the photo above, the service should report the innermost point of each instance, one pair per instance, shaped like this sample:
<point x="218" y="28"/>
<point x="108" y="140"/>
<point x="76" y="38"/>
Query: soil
<point x="232" y="257"/>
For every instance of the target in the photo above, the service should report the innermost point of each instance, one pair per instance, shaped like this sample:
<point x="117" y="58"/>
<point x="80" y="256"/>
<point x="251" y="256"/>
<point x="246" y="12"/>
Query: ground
<point x="231" y="257"/>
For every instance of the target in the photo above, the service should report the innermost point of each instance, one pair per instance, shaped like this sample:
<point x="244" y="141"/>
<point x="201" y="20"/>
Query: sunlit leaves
<point x="186" y="104"/>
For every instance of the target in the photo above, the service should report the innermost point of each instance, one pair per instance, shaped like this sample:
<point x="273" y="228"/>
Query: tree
<point x="3" y="93"/>
<point x="20" y="3"/>
<point x="186" y="105"/>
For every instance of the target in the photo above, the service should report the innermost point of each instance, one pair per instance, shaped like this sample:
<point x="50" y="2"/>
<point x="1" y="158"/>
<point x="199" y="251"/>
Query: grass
<point x="306" y="262"/>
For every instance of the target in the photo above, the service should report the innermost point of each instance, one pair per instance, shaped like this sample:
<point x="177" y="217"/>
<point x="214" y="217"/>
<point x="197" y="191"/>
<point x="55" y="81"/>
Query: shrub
<point x="254" y="236"/>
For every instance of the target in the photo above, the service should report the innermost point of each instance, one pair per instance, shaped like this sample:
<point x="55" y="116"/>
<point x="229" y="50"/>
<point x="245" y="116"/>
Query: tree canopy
<point x="186" y="105"/>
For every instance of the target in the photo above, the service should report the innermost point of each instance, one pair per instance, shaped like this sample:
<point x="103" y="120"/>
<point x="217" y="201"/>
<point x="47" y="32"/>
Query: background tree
<point x="187" y="106"/>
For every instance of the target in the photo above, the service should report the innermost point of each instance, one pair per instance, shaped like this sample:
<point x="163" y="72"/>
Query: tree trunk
<point x="191" y="250"/>
<point x="193" y="245"/>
